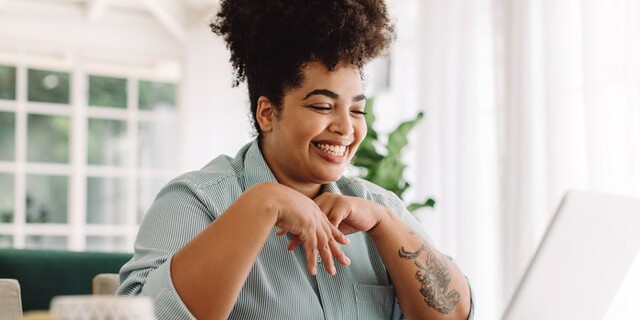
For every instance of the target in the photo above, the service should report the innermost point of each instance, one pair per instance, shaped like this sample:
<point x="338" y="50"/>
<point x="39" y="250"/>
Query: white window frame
<point x="76" y="230"/>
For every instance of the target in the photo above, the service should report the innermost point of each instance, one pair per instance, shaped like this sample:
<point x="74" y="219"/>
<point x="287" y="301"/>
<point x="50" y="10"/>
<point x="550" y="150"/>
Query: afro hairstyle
<point x="272" y="40"/>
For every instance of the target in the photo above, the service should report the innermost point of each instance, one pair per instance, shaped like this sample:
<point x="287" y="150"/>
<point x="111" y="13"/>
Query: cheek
<point x="360" y="130"/>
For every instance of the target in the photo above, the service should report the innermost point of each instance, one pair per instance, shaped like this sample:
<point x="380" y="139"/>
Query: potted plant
<point x="387" y="169"/>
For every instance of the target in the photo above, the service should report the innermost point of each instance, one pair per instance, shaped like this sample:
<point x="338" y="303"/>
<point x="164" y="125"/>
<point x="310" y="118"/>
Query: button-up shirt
<point x="278" y="285"/>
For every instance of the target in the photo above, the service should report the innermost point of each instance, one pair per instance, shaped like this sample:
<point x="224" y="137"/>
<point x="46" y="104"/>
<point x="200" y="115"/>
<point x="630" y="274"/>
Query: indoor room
<point x="483" y="117"/>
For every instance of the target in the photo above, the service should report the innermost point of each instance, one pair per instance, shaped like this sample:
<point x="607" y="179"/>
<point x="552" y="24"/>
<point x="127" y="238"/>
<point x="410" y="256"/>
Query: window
<point x="82" y="153"/>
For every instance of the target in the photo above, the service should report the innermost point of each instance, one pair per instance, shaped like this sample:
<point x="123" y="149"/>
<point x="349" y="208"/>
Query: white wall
<point x="49" y="27"/>
<point x="216" y="115"/>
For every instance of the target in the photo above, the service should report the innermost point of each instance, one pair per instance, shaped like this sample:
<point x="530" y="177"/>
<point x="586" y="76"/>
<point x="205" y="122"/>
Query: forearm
<point x="209" y="272"/>
<point x="428" y="285"/>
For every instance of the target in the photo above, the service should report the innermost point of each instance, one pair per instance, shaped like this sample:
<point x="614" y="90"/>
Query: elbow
<point x="459" y="311"/>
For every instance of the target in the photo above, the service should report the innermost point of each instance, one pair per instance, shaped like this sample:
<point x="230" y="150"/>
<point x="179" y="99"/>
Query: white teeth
<point x="332" y="149"/>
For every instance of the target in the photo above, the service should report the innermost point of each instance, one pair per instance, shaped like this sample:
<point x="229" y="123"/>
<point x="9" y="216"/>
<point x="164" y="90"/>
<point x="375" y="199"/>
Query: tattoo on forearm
<point x="434" y="278"/>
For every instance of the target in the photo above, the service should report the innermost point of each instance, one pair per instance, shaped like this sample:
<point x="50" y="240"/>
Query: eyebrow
<point x="332" y="95"/>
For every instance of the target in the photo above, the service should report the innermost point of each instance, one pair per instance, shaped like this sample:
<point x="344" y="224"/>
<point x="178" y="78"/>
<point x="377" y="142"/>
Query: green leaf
<point x="398" y="138"/>
<point x="366" y="159"/>
<point x="367" y="154"/>
<point x="370" y="118"/>
<point x="386" y="170"/>
<point x="417" y="205"/>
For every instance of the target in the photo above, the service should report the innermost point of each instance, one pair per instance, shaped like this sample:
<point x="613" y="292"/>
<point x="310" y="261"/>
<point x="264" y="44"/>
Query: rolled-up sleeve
<point x="177" y="215"/>
<point x="168" y="304"/>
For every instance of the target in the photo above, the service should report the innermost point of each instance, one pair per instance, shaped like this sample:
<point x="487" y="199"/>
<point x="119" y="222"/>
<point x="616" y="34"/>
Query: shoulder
<point x="219" y="172"/>
<point x="214" y="173"/>
<point x="358" y="187"/>
<point x="212" y="187"/>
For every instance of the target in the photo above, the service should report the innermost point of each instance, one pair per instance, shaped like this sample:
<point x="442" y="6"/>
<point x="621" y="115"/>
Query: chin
<point x="331" y="177"/>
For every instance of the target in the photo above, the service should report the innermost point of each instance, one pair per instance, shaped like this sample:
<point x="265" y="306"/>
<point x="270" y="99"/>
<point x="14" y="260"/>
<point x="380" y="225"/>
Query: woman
<point x="277" y="232"/>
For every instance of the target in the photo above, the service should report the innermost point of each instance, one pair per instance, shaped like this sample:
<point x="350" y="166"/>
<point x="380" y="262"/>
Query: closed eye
<point x="358" y="113"/>
<point x="320" y="108"/>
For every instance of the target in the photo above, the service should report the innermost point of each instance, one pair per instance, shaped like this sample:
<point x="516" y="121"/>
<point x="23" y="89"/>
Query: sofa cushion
<point x="43" y="274"/>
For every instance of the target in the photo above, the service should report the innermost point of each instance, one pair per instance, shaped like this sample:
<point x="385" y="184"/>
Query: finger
<point x="338" y="235"/>
<point x="325" y="202"/>
<point x="295" y="241"/>
<point x="281" y="232"/>
<point x="325" y="253"/>
<point x="328" y="211"/>
<point x="346" y="228"/>
<point x="337" y="211"/>
<point x="335" y="217"/>
<point x="311" y="252"/>
<point x="337" y="252"/>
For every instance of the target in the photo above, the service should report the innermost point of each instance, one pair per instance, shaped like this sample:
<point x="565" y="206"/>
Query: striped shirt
<point x="278" y="285"/>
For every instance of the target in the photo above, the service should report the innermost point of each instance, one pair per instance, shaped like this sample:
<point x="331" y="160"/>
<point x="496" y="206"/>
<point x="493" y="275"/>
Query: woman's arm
<point x="428" y="285"/>
<point x="209" y="272"/>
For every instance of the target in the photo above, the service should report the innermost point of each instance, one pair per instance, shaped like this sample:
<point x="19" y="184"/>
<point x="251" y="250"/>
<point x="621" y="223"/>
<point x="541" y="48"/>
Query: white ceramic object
<point x="102" y="307"/>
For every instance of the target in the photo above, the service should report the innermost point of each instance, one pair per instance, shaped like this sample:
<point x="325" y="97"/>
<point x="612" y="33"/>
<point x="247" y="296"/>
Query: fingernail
<point x="348" y="260"/>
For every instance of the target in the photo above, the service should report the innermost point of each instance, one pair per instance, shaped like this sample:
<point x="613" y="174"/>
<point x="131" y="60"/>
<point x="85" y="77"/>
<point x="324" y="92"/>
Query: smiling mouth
<point x="334" y="150"/>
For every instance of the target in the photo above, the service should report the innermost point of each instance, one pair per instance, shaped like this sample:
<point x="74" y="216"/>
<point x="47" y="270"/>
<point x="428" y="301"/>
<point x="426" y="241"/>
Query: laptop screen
<point x="585" y="254"/>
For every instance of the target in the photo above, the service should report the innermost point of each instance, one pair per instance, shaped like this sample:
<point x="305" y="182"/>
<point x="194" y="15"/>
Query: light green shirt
<point x="278" y="286"/>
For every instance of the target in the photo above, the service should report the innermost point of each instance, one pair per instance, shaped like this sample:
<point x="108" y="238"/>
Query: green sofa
<point x="43" y="274"/>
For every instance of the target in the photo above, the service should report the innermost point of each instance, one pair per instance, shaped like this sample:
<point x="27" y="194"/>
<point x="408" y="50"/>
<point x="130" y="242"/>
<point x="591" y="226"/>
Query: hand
<point x="300" y="216"/>
<point x="350" y="214"/>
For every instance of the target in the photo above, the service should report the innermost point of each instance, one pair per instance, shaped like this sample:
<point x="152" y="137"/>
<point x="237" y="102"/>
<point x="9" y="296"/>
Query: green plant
<point x="387" y="170"/>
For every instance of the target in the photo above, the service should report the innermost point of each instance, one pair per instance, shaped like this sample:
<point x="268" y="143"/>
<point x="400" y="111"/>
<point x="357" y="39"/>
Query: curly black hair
<point x="272" y="40"/>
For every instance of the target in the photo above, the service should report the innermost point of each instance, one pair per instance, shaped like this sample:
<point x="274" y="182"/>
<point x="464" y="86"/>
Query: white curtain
<point x="524" y="100"/>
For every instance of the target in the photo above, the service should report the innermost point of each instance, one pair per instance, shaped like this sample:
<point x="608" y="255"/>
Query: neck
<point x="308" y="189"/>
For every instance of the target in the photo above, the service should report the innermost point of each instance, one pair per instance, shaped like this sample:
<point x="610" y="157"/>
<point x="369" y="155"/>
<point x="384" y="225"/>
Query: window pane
<point x="157" y="145"/>
<point x="47" y="199"/>
<point x="107" y="92"/>
<point x="47" y="138"/>
<point x="108" y="244"/>
<point x="147" y="191"/>
<point x="7" y="136"/>
<point x="156" y="95"/>
<point x="106" y="201"/>
<point x="107" y="142"/>
<point x="7" y="83"/>
<point x="6" y="198"/>
<point x="6" y="241"/>
<point x="46" y="242"/>
<point x="48" y="86"/>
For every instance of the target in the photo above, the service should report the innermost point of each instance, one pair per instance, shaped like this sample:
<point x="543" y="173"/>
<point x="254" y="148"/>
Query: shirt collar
<point x="331" y="187"/>
<point x="256" y="168"/>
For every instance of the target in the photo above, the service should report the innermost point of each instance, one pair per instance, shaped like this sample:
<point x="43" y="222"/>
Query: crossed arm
<point x="428" y="286"/>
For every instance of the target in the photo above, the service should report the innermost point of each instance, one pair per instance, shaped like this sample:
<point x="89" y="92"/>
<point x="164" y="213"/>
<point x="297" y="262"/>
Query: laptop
<point x="586" y="252"/>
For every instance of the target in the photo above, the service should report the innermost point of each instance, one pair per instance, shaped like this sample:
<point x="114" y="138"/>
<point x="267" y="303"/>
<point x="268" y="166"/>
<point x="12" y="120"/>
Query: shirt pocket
<point x="374" y="302"/>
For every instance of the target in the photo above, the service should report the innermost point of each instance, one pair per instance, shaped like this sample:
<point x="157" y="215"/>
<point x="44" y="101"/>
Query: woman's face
<point x="317" y="132"/>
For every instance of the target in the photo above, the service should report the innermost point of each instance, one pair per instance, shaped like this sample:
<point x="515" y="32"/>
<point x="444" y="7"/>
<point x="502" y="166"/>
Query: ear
<point x="265" y="114"/>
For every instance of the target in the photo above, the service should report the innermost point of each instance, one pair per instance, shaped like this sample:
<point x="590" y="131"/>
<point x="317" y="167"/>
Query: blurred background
<point x="104" y="101"/>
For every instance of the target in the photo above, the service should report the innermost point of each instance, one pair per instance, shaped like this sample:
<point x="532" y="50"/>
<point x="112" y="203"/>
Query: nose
<point x="342" y="124"/>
